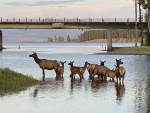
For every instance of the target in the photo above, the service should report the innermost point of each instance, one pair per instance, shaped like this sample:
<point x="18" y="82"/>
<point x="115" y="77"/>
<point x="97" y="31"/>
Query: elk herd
<point x="93" y="69"/>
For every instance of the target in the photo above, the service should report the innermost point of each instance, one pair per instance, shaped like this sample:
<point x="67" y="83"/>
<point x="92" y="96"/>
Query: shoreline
<point x="123" y="53"/>
<point x="144" y="50"/>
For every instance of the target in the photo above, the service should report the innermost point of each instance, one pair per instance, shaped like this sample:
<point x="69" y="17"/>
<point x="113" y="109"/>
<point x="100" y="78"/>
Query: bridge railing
<point x="66" y="20"/>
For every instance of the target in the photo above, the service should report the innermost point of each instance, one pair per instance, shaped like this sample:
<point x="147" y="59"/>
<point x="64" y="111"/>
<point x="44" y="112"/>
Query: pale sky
<point x="67" y="8"/>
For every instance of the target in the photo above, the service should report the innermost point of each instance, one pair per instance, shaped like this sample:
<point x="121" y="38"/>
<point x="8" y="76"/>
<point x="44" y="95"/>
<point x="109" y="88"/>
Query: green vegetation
<point x="11" y="81"/>
<point x="131" y="49"/>
<point x="126" y="34"/>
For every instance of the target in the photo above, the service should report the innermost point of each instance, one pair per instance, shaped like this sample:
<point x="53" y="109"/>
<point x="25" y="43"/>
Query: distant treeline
<point x="97" y="34"/>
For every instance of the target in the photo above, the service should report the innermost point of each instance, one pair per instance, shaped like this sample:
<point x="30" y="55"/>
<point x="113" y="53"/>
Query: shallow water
<point x="65" y="96"/>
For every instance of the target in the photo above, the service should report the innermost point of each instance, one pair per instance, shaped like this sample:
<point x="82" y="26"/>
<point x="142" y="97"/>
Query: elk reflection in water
<point x="50" y="86"/>
<point x="120" y="90"/>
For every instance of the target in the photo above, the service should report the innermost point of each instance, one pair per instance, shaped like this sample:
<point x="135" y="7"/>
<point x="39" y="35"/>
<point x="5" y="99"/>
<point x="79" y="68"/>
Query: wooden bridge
<point x="78" y="23"/>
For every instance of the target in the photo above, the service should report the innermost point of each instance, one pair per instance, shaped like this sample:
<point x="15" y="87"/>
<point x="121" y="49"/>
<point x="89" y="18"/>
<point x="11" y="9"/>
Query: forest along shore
<point x="115" y="40"/>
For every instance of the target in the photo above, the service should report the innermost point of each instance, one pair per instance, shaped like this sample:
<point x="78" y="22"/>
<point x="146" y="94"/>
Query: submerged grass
<point x="11" y="81"/>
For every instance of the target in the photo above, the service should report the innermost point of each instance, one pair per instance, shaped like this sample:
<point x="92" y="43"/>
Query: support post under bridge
<point x="1" y="41"/>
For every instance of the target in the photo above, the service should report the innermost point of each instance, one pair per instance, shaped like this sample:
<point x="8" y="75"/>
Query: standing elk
<point x="111" y="74"/>
<point x="74" y="70"/>
<point x="82" y="69"/>
<point x="100" y="71"/>
<point x="46" y="64"/>
<point x="61" y="69"/>
<point x="91" y="67"/>
<point x="120" y="71"/>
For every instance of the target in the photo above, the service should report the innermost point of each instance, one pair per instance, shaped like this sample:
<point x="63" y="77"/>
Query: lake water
<point x="63" y="96"/>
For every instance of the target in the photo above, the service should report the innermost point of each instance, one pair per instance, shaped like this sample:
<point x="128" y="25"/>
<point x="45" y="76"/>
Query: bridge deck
<point x="98" y="23"/>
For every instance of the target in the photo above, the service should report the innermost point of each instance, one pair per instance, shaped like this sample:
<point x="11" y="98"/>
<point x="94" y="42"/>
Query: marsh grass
<point x="11" y="81"/>
<point x="131" y="49"/>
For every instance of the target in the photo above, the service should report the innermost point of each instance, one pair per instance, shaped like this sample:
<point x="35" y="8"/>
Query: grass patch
<point x="131" y="49"/>
<point x="11" y="81"/>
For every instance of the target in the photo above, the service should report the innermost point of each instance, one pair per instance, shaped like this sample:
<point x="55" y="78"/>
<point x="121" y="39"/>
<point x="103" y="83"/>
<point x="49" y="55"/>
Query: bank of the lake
<point x="138" y="50"/>
<point x="11" y="81"/>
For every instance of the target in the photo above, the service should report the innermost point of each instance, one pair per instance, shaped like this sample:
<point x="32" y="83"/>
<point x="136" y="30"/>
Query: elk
<point x="74" y="70"/>
<point x="82" y="69"/>
<point x="111" y="74"/>
<point x="91" y="67"/>
<point x="46" y="64"/>
<point x="61" y="69"/>
<point x="120" y="71"/>
<point x="100" y="71"/>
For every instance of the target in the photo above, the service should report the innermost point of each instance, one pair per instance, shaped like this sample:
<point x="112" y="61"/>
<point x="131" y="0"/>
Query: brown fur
<point x="120" y="70"/>
<point x="111" y="74"/>
<point x="61" y="69"/>
<point x="46" y="64"/>
<point x="91" y="67"/>
<point x="82" y="69"/>
<point x="74" y="70"/>
<point x="100" y="70"/>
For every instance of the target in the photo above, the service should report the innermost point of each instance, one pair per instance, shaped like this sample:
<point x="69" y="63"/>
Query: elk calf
<point x="74" y="70"/>
<point x="82" y="69"/>
<point x="100" y="71"/>
<point x="111" y="74"/>
<point x="61" y="69"/>
<point x="91" y="67"/>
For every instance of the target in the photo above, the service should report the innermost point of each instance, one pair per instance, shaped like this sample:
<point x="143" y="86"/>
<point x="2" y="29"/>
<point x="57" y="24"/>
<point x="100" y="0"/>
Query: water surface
<point x="64" y="96"/>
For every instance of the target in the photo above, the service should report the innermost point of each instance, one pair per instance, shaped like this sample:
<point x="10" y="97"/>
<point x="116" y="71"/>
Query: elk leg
<point x="93" y="77"/>
<point x="74" y="76"/>
<point x="105" y="78"/>
<point x="119" y="79"/>
<point x="102" y="77"/>
<point x="43" y="74"/>
<point x="113" y="79"/>
<point x="56" y="73"/>
<point x="82" y="77"/>
<point x="123" y="79"/>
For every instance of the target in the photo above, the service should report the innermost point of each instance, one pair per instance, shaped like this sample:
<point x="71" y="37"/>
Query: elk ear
<point x="104" y="61"/>
<point x="64" y="61"/>
<point x="120" y="59"/>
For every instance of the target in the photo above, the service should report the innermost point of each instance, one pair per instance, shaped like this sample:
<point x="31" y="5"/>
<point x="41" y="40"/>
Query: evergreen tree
<point x="68" y="39"/>
<point x="51" y="39"/>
